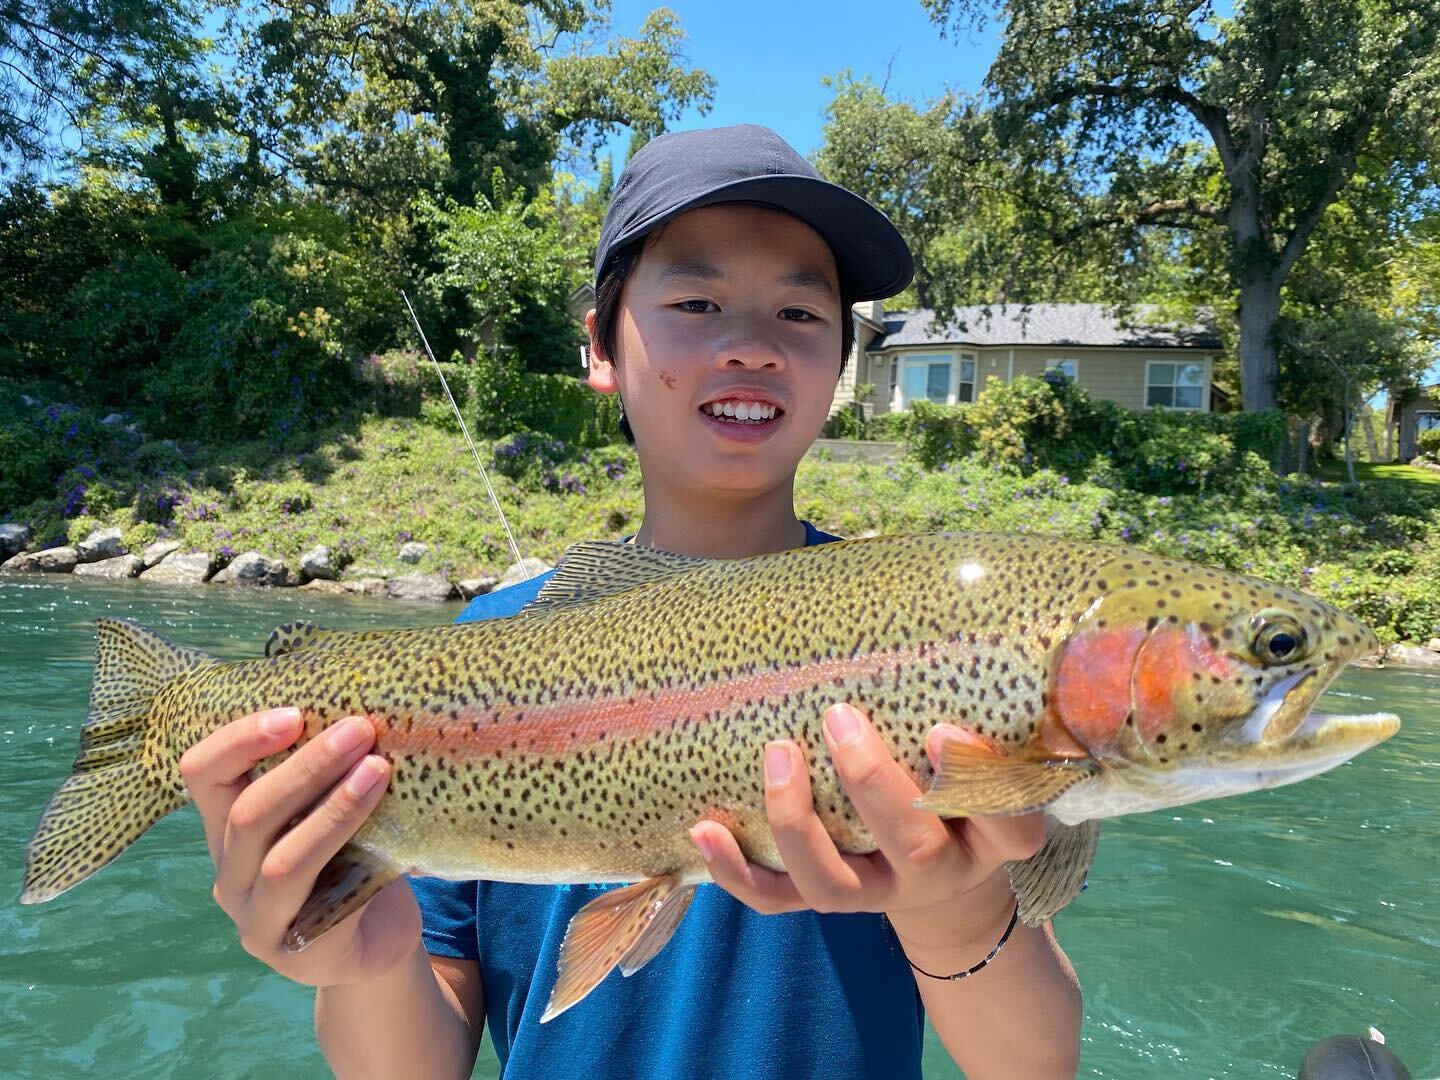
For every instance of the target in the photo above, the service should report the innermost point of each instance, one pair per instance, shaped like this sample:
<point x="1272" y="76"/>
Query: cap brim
<point x="871" y="256"/>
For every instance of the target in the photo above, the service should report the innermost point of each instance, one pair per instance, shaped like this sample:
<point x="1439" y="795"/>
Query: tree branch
<point x="1341" y="172"/>
<point x="1212" y="117"/>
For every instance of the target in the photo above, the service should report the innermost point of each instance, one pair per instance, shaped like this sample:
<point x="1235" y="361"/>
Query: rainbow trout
<point x="581" y="739"/>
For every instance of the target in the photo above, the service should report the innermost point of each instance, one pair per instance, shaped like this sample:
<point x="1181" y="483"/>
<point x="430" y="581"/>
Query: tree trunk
<point x="1259" y="360"/>
<point x="1303" y="446"/>
<point x="1389" y="438"/>
<point x="1367" y="426"/>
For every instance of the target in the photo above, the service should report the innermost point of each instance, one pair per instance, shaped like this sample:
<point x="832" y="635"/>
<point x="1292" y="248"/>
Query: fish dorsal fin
<point x="293" y="636"/>
<point x="1054" y="875"/>
<point x="597" y="568"/>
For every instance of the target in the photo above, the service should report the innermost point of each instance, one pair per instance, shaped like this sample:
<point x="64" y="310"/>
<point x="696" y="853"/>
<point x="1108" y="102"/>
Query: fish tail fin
<point x="126" y="777"/>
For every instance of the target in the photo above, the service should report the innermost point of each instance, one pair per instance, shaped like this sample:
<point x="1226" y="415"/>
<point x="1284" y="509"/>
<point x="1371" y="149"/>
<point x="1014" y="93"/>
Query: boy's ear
<point x="601" y="373"/>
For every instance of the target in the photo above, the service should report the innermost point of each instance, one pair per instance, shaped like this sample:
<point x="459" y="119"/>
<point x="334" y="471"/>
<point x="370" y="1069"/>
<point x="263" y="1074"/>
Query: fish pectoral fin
<point x="347" y="883"/>
<point x="615" y="929"/>
<point x="976" y="780"/>
<point x="1054" y="875"/>
<point x="661" y="929"/>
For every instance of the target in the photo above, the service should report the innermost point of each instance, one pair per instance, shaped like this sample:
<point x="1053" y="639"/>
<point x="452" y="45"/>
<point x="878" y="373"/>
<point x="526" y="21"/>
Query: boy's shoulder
<point x="505" y="602"/>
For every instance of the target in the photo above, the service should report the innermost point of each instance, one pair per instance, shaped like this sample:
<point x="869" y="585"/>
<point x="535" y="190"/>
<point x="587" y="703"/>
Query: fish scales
<point x="665" y="700"/>
<point x="581" y="740"/>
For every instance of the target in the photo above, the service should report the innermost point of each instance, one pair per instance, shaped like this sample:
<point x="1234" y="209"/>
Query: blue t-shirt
<point x="734" y="994"/>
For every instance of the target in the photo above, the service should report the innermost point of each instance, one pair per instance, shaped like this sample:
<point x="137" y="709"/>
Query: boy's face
<point x="732" y="309"/>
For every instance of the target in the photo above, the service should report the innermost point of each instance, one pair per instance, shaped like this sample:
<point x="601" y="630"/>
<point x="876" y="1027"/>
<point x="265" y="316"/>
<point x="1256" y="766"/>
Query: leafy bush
<point x="1429" y="442"/>
<point x="845" y="424"/>
<point x="939" y="433"/>
<point x="888" y="427"/>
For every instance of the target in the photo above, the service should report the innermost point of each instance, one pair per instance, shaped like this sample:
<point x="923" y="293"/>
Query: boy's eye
<point x="690" y="305"/>
<point x="793" y="314"/>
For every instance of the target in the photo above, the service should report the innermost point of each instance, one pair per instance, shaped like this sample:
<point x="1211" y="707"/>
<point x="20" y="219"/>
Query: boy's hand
<point x="265" y="867"/>
<point x="938" y="881"/>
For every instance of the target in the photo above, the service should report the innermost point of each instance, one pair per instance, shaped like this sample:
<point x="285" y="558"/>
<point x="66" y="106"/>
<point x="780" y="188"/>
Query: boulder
<point x="157" y="551"/>
<point x="182" y="568"/>
<point x="357" y="572"/>
<point x="413" y="552"/>
<point x="101" y="544"/>
<point x="365" y="586"/>
<point x="114" y="418"/>
<point x="122" y="566"/>
<point x="328" y="587"/>
<point x="420" y="586"/>
<point x="515" y="574"/>
<point x="252" y="568"/>
<point x="13" y="539"/>
<point x="476" y="586"/>
<point x="1412" y="656"/>
<point x="57" y="560"/>
<point x="1433" y="644"/>
<point x="318" y="563"/>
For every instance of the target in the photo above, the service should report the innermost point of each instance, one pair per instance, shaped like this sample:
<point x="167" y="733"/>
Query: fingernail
<point x="280" y="721"/>
<point x="365" y="776"/>
<point x="777" y="764"/>
<point x="843" y="724"/>
<point x="704" y="843"/>
<point x="347" y="735"/>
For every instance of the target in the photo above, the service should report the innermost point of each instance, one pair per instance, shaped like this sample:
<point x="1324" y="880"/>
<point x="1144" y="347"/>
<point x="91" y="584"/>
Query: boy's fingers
<point x="288" y="870"/>
<point x="818" y="871"/>
<point x="767" y="891"/>
<point x="217" y="768"/>
<point x="1005" y="839"/>
<point x="884" y="793"/>
<point x="263" y="810"/>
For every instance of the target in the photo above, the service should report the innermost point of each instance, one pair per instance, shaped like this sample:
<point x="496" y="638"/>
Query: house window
<point x="1426" y="421"/>
<point x="923" y="378"/>
<point x="966" y="390"/>
<point x="1068" y="369"/>
<point x="1174" y="385"/>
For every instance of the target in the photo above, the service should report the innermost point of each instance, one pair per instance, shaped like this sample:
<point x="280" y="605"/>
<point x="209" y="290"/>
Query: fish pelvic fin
<point x="1054" y="875"/>
<point x="977" y="780"/>
<point x="126" y="775"/>
<point x="348" y="882"/>
<point x="622" y="928"/>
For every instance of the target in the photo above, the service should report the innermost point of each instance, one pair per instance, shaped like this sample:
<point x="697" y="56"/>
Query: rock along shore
<point x="100" y="555"/>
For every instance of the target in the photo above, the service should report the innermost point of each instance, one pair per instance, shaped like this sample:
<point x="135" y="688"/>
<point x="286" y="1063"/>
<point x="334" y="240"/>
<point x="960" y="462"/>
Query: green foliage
<point x="940" y="433"/>
<point x="1429" y="442"/>
<point x="888" y="427"/>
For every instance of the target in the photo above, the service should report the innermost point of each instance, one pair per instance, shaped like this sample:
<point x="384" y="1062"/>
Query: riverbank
<point x="393" y="506"/>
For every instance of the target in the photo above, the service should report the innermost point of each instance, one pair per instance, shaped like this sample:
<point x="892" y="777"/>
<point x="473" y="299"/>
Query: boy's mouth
<point x="739" y="410"/>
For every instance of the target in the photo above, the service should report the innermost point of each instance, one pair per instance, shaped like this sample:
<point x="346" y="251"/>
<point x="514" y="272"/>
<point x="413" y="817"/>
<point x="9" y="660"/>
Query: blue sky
<point x="767" y="59"/>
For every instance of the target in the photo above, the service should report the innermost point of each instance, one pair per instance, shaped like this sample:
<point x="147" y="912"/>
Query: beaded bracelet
<point x="988" y="956"/>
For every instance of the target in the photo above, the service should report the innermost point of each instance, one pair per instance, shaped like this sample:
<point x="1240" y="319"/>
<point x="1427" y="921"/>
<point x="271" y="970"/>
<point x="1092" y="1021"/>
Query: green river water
<point x="1216" y="940"/>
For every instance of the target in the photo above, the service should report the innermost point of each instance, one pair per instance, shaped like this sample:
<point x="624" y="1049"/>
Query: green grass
<point x="1334" y="472"/>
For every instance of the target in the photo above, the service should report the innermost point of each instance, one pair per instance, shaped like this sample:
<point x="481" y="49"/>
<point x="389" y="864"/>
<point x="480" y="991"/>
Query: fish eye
<point x="1279" y="638"/>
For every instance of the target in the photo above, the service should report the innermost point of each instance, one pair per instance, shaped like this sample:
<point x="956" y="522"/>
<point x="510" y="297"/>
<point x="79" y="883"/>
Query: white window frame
<point x="1058" y="363"/>
<point x="1178" y="363"/>
<point x="899" y="402"/>
<point x="959" y="378"/>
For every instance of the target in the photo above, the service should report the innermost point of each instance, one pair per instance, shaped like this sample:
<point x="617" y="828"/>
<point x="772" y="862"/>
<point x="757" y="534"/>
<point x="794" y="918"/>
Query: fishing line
<point x="494" y="500"/>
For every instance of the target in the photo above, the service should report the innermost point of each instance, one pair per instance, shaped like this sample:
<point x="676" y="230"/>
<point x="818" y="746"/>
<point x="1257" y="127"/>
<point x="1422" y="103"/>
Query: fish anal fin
<point x="347" y="883"/>
<point x="294" y="636"/>
<point x="610" y="930"/>
<point x="658" y="934"/>
<point x="975" y="780"/>
<point x="1054" y="875"/>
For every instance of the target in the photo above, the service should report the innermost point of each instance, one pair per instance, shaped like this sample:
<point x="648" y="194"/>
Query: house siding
<point x="1410" y="420"/>
<point x="1117" y="375"/>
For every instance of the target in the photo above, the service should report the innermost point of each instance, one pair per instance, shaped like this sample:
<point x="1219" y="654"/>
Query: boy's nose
<point x="751" y="352"/>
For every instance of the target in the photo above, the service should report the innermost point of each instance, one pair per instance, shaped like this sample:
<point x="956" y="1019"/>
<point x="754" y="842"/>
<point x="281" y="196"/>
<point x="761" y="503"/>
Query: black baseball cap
<point x="684" y="170"/>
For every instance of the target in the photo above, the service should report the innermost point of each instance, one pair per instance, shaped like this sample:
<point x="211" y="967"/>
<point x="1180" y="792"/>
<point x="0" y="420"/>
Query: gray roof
<point x="1040" y="324"/>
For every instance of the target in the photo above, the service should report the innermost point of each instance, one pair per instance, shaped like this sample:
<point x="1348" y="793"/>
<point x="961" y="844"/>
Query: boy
<point x="725" y="274"/>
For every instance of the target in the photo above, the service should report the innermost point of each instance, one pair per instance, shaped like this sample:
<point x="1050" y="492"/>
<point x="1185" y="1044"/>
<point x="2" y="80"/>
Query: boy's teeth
<point x="741" y="410"/>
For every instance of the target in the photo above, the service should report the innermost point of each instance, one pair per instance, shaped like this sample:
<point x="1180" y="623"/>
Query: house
<point x="1138" y="366"/>
<point x="1412" y="414"/>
